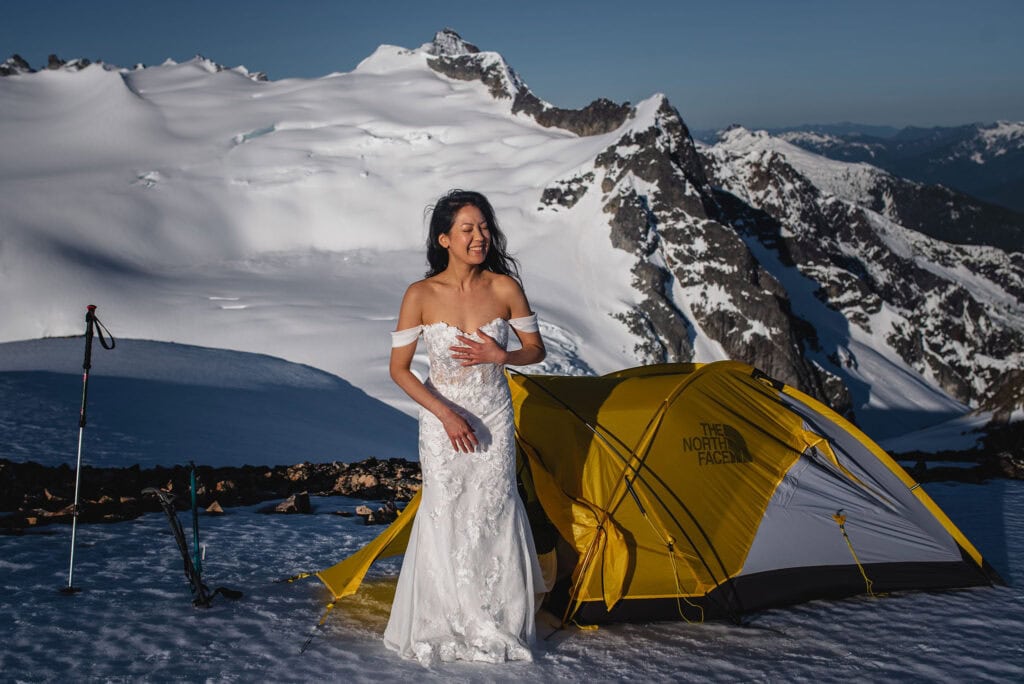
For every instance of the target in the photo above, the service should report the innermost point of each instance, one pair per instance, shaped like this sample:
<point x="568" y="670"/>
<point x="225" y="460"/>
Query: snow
<point x="150" y="192"/>
<point x="846" y="180"/>
<point x="905" y="402"/>
<point x="824" y="140"/>
<point x="156" y="403"/>
<point x="194" y="204"/>
<point x="133" y="618"/>
<point x="959" y="434"/>
<point x="1001" y="135"/>
<point x="883" y="386"/>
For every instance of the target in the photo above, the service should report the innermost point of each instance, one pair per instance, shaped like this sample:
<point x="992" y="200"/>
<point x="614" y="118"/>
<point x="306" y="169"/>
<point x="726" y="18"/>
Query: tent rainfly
<point x="690" y="491"/>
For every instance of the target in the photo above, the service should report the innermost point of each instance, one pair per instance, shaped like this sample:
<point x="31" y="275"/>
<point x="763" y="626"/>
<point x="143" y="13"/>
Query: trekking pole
<point x="92" y="325"/>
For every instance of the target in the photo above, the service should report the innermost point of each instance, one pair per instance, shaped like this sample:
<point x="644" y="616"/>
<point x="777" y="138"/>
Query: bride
<point x="466" y="589"/>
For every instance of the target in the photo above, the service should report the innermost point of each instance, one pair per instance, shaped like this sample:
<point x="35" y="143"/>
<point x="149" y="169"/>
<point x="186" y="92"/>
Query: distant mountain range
<point x="206" y="206"/>
<point x="982" y="160"/>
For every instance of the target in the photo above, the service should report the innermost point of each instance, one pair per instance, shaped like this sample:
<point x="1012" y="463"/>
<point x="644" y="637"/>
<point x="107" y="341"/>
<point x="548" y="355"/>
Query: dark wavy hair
<point x="442" y="217"/>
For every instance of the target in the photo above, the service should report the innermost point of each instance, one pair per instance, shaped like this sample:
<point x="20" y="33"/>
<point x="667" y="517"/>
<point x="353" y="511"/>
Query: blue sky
<point x="758" y="63"/>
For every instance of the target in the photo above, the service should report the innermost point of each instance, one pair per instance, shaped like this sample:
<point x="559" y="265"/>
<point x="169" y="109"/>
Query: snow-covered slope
<point x="199" y="205"/>
<point x="909" y="304"/>
<point x="156" y="403"/>
<point x="935" y="210"/>
<point x="134" y="620"/>
<point x="984" y="160"/>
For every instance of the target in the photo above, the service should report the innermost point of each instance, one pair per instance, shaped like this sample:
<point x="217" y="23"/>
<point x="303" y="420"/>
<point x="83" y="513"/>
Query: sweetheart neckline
<point x="455" y="327"/>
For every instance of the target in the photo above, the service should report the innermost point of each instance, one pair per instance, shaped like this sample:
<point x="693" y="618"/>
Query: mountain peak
<point x="15" y="64"/>
<point x="448" y="43"/>
<point x="455" y="58"/>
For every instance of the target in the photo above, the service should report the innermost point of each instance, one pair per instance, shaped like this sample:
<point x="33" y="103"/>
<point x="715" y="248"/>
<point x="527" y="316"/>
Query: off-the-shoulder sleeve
<point x="525" y="324"/>
<point x="401" y="338"/>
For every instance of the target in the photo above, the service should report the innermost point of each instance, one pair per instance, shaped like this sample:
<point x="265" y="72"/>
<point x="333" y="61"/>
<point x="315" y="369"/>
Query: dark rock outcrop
<point x="53" y="63"/>
<point x="32" y="494"/>
<point x="15" y="64"/>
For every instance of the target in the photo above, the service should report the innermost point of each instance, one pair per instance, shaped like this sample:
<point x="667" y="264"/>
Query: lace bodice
<point x="470" y="572"/>
<point x="478" y="388"/>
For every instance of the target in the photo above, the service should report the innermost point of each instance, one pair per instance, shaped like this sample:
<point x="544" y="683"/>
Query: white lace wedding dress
<point x="466" y="590"/>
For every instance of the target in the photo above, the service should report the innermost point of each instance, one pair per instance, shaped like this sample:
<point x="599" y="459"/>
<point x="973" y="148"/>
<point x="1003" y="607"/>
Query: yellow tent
<point x="696" y="491"/>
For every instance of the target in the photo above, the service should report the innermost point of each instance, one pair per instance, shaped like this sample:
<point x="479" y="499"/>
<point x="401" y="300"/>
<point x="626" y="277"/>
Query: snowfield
<point x="133" y="619"/>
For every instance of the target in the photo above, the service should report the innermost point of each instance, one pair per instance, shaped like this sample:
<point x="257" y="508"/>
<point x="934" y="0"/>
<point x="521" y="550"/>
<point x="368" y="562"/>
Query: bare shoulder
<point x="416" y="298"/>
<point x="415" y="293"/>
<point x="506" y="285"/>
<point x="510" y="292"/>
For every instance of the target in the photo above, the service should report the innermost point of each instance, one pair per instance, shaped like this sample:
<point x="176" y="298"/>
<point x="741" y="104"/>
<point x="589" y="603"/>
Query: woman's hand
<point x="459" y="432"/>
<point x="474" y="353"/>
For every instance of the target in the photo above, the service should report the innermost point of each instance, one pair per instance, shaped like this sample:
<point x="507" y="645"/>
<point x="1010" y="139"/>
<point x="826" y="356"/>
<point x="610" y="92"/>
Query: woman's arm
<point x="459" y="431"/>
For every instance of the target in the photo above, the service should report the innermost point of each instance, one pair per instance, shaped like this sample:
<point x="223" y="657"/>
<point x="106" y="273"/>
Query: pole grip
<point x="90" y="322"/>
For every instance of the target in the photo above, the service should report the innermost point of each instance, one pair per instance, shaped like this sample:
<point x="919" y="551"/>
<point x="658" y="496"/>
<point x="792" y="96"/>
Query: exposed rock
<point x="54" y="63"/>
<point x="566" y="193"/>
<point x="599" y="117"/>
<point x="14" y="65"/>
<point x="983" y="160"/>
<point x="108" y="494"/>
<point x="861" y="263"/>
<point x="296" y="503"/>
<point x="693" y="268"/>
<point x="215" y="509"/>
<point x="448" y="43"/>
<point x="1006" y="397"/>
<point x="52" y="497"/>
<point x="455" y="58"/>
<point x="1010" y="466"/>
<point x="384" y="515"/>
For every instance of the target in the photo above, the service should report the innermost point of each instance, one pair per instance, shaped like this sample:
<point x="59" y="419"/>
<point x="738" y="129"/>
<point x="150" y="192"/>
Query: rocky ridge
<point x="984" y="160"/>
<point x="891" y="282"/>
<point x="935" y="210"/>
<point x="16" y="64"/>
<point x="458" y="59"/>
<point x="691" y="269"/>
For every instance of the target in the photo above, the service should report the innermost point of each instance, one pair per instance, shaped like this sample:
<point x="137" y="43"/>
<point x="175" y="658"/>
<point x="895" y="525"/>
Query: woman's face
<point x="469" y="238"/>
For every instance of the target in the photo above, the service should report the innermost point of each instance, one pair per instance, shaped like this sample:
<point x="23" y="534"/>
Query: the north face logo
<point x="718" y="444"/>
